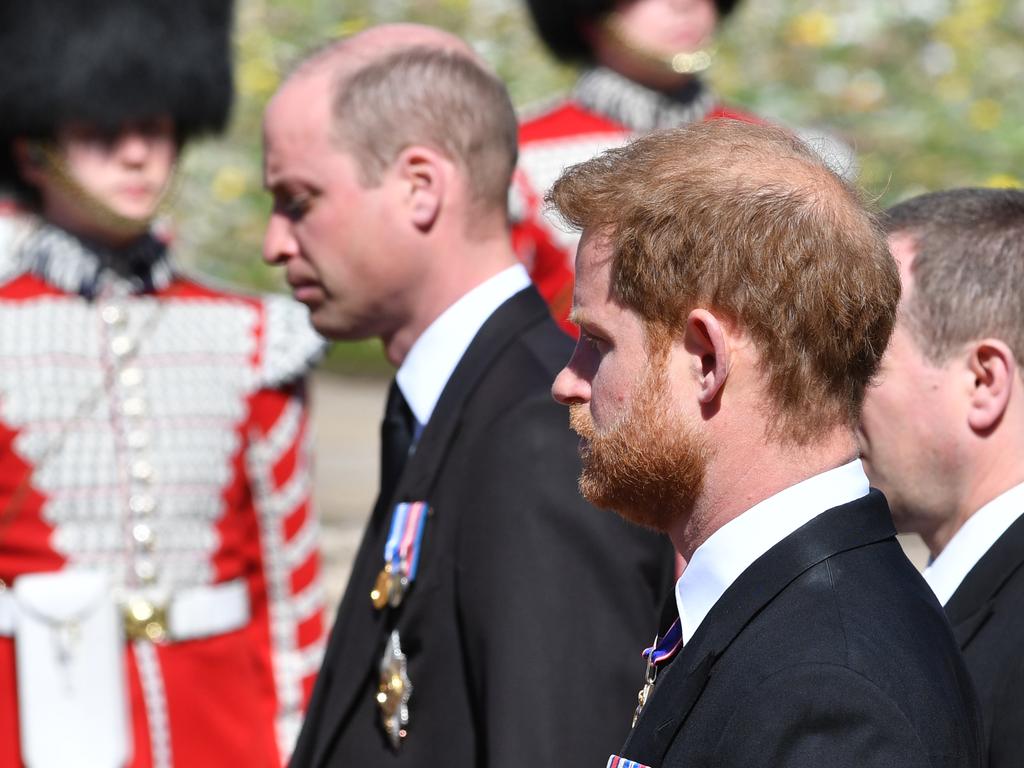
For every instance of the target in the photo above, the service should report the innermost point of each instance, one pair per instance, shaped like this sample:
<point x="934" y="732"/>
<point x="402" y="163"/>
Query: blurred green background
<point x="927" y="92"/>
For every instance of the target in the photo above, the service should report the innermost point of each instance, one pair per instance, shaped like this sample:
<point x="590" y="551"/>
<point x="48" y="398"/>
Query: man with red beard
<point x="734" y="298"/>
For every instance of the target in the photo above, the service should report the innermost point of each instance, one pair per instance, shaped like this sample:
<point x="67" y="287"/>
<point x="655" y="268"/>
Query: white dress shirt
<point x="733" y="548"/>
<point x="431" y="361"/>
<point x="975" y="537"/>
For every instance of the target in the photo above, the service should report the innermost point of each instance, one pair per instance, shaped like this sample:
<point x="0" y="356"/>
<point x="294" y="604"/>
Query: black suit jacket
<point x="828" y="651"/>
<point x="987" y="614"/>
<point x="524" y="627"/>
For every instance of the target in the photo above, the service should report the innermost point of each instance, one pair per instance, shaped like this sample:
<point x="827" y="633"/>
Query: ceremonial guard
<point x="644" y="59"/>
<point x="160" y="595"/>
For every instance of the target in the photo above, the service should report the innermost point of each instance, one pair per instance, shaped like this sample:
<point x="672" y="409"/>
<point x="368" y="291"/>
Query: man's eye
<point x="295" y="207"/>
<point x="595" y="341"/>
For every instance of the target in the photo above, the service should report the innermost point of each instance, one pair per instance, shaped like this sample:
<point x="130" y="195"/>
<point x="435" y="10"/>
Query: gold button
<point x="138" y="438"/>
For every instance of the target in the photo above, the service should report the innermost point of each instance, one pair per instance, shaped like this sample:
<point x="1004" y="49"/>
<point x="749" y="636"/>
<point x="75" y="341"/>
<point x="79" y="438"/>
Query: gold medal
<point x="381" y="592"/>
<point x="394" y="691"/>
<point x="650" y="675"/>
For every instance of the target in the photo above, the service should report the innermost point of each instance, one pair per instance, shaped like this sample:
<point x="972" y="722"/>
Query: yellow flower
<point x="1004" y="181"/>
<point x="257" y="77"/>
<point x="985" y="114"/>
<point x="229" y="184"/>
<point x="814" y="29"/>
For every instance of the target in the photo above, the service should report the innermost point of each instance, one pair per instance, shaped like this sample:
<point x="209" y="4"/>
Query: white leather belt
<point x="190" y="614"/>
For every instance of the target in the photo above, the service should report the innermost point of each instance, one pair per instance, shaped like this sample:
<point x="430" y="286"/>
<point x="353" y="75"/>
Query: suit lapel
<point x="849" y="526"/>
<point x="358" y="643"/>
<point x="973" y="602"/>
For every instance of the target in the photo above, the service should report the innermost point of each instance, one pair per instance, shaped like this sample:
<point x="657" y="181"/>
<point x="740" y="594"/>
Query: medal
<point x="381" y="592"/>
<point x="660" y="652"/>
<point x="650" y="675"/>
<point x="394" y="691"/>
<point x="401" y="554"/>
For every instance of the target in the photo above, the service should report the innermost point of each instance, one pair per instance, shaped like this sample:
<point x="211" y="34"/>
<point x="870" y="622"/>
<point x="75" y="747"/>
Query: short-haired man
<point x="942" y="433"/>
<point x="483" y="581"/>
<point x="734" y="298"/>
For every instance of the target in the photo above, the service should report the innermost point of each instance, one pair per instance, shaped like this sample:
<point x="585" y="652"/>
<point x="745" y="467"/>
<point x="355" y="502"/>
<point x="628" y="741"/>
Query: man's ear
<point x="422" y="173"/>
<point x="993" y="366"/>
<point x="705" y="338"/>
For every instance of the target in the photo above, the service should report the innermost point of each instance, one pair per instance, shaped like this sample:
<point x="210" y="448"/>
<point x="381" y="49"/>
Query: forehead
<point x="297" y="121"/>
<point x="594" y="303"/>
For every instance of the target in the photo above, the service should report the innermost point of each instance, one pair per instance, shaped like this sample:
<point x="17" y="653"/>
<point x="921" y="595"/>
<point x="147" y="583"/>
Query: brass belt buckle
<point x="145" y="620"/>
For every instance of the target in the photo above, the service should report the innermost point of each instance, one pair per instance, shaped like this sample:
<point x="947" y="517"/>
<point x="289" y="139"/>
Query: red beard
<point x="650" y="466"/>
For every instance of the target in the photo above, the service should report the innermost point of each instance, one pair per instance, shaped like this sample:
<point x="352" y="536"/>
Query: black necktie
<point x="395" y="440"/>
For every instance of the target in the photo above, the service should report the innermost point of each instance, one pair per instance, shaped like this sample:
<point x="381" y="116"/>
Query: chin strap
<point x="52" y="163"/>
<point x="681" y="63"/>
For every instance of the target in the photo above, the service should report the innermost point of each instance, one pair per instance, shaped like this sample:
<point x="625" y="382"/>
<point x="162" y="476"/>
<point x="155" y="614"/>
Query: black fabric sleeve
<point x="815" y="715"/>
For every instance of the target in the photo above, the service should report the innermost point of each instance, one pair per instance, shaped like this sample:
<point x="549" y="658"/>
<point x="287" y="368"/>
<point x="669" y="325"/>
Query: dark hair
<point x="110" y="63"/>
<point x="968" y="267"/>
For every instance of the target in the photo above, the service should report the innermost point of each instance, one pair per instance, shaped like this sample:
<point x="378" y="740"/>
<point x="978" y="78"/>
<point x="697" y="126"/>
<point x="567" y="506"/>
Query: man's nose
<point x="279" y="243"/>
<point x="570" y="387"/>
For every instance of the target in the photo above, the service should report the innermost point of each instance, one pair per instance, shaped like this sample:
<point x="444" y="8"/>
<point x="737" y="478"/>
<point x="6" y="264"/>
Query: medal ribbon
<point x="402" y="550"/>
<point x="666" y="647"/>
<point x="620" y="762"/>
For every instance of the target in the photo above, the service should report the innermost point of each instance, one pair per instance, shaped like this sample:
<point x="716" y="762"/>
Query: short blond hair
<point x="435" y="97"/>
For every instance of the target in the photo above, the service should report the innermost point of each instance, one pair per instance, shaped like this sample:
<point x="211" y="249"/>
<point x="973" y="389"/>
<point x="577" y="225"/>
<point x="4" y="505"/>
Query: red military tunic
<point x="155" y="428"/>
<point x="603" y="111"/>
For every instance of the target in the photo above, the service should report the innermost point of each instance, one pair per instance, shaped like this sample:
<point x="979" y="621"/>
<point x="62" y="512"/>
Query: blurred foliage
<point x="925" y="91"/>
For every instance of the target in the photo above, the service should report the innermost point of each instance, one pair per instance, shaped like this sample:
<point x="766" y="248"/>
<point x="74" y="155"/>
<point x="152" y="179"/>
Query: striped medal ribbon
<point x="401" y="554"/>
<point x="660" y="652"/>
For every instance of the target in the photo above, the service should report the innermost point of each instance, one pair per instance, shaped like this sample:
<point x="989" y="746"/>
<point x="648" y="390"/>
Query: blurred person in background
<point x="643" y="60"/>
<point x="492" y="617"/>
<point x="942" y="433"/>
<point x="160" y="596"/>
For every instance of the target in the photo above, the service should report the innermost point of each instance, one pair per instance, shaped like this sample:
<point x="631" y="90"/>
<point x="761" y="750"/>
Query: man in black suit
<point x="484" y="583"/>
<point x="734" y="297"/>
<point x="943" y="432"/>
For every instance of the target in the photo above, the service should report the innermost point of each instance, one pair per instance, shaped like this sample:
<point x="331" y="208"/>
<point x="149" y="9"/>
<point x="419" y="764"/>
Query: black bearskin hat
<point x="110" y="61"/>
<point x="559" y="23"/>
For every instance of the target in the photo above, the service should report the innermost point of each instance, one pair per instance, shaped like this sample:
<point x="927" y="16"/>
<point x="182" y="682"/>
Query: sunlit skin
<point x="327" y="229"/>
<point x="940" y="438"/>
<point x="712" y="383"/>
<point x="381" y="258"/>
<point x="657" y="28"/>
<point x="126" y="173"/>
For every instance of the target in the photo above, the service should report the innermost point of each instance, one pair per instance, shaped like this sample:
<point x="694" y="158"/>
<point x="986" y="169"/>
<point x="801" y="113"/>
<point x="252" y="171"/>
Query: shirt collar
<point x="969" y="544"/>
<point x="432" y="359"/>
<point x="734" y="547"/>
